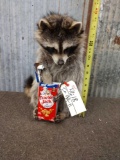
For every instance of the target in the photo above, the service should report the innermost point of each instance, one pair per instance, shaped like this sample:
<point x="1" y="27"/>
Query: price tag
<point x="73" y="98"/>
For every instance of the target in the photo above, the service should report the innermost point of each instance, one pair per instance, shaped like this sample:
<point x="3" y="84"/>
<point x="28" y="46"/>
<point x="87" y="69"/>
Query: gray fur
<point x="73" y="68"/>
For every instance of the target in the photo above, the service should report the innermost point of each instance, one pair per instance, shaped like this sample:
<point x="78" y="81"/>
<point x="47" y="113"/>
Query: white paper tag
<point x="73" y="98"/>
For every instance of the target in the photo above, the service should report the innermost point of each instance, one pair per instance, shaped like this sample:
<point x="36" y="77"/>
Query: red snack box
<point x="47" y="108"/>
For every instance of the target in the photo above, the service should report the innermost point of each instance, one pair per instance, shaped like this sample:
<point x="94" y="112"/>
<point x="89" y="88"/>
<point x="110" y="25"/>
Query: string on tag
<point x="66" y="83"/>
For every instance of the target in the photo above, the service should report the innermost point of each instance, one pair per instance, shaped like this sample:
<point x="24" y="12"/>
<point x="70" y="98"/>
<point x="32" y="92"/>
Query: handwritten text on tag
<point x="73" y="98"/>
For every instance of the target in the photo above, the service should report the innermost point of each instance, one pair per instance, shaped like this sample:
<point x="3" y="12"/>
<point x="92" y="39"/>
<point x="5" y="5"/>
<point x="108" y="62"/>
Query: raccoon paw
<point x="35" y="113"/>
<point x="61" y="116"/>
<point x="56" y="98"/>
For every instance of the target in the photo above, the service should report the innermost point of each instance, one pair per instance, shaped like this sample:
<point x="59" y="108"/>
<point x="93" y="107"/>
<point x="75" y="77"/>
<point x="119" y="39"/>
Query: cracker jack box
<point x="47" y="108"/>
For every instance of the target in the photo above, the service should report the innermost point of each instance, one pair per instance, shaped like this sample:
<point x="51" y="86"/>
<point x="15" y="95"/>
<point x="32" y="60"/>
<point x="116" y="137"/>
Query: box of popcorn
<point x="47" y="108"/>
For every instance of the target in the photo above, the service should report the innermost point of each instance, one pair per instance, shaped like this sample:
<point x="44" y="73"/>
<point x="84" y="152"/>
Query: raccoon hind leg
<point x="63" y="111"/>
<point x="34" y="97"/>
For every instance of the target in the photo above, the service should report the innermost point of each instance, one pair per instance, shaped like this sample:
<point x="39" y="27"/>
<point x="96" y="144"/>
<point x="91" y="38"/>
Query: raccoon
<point x="61" y="50"/>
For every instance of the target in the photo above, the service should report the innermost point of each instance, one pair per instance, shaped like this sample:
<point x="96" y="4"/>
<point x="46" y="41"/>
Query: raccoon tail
<point x="28" y="85"/>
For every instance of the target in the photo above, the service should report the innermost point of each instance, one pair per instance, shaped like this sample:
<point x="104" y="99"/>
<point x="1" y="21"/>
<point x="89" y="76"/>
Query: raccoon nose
<point x="60" y="62"/>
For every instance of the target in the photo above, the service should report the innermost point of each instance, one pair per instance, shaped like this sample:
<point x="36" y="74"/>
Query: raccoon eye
<point x="70" y="50"/>
<point x="50" y="49"/>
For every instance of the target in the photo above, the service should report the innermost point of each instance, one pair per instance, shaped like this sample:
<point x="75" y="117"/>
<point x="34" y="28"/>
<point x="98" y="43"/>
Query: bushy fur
<point x="61" y="51"/>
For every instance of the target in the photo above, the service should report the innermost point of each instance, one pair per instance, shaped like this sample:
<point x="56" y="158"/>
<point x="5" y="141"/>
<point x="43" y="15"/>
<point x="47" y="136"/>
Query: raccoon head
<point x="60" y="37"/>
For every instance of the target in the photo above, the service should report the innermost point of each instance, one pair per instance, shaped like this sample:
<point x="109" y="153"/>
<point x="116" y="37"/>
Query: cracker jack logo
<point x="46" y="98"/>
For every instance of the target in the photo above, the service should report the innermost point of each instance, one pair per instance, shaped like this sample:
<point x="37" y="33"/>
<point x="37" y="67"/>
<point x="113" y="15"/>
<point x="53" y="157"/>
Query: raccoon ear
<point x="76" y="26"/>
<point x="43" y="24"/>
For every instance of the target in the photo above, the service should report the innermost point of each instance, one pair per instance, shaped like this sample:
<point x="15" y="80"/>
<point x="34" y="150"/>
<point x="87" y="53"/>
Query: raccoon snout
<point x="60" y="62"/>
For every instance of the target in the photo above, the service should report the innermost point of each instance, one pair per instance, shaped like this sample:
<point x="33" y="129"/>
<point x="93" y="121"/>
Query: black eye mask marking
<point x="50" y="50"/>
<point x="70" y="50"/>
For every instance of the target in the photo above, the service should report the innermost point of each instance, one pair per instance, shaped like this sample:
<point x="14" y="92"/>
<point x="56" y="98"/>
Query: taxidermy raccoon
<point x="61" y="50"/>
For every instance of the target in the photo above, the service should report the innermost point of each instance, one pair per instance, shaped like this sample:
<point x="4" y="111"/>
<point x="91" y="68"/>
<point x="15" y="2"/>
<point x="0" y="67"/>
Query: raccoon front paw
<point x="35" y="113"/>
<point x="56" y="98"/>
<point x="61" y="116"/>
